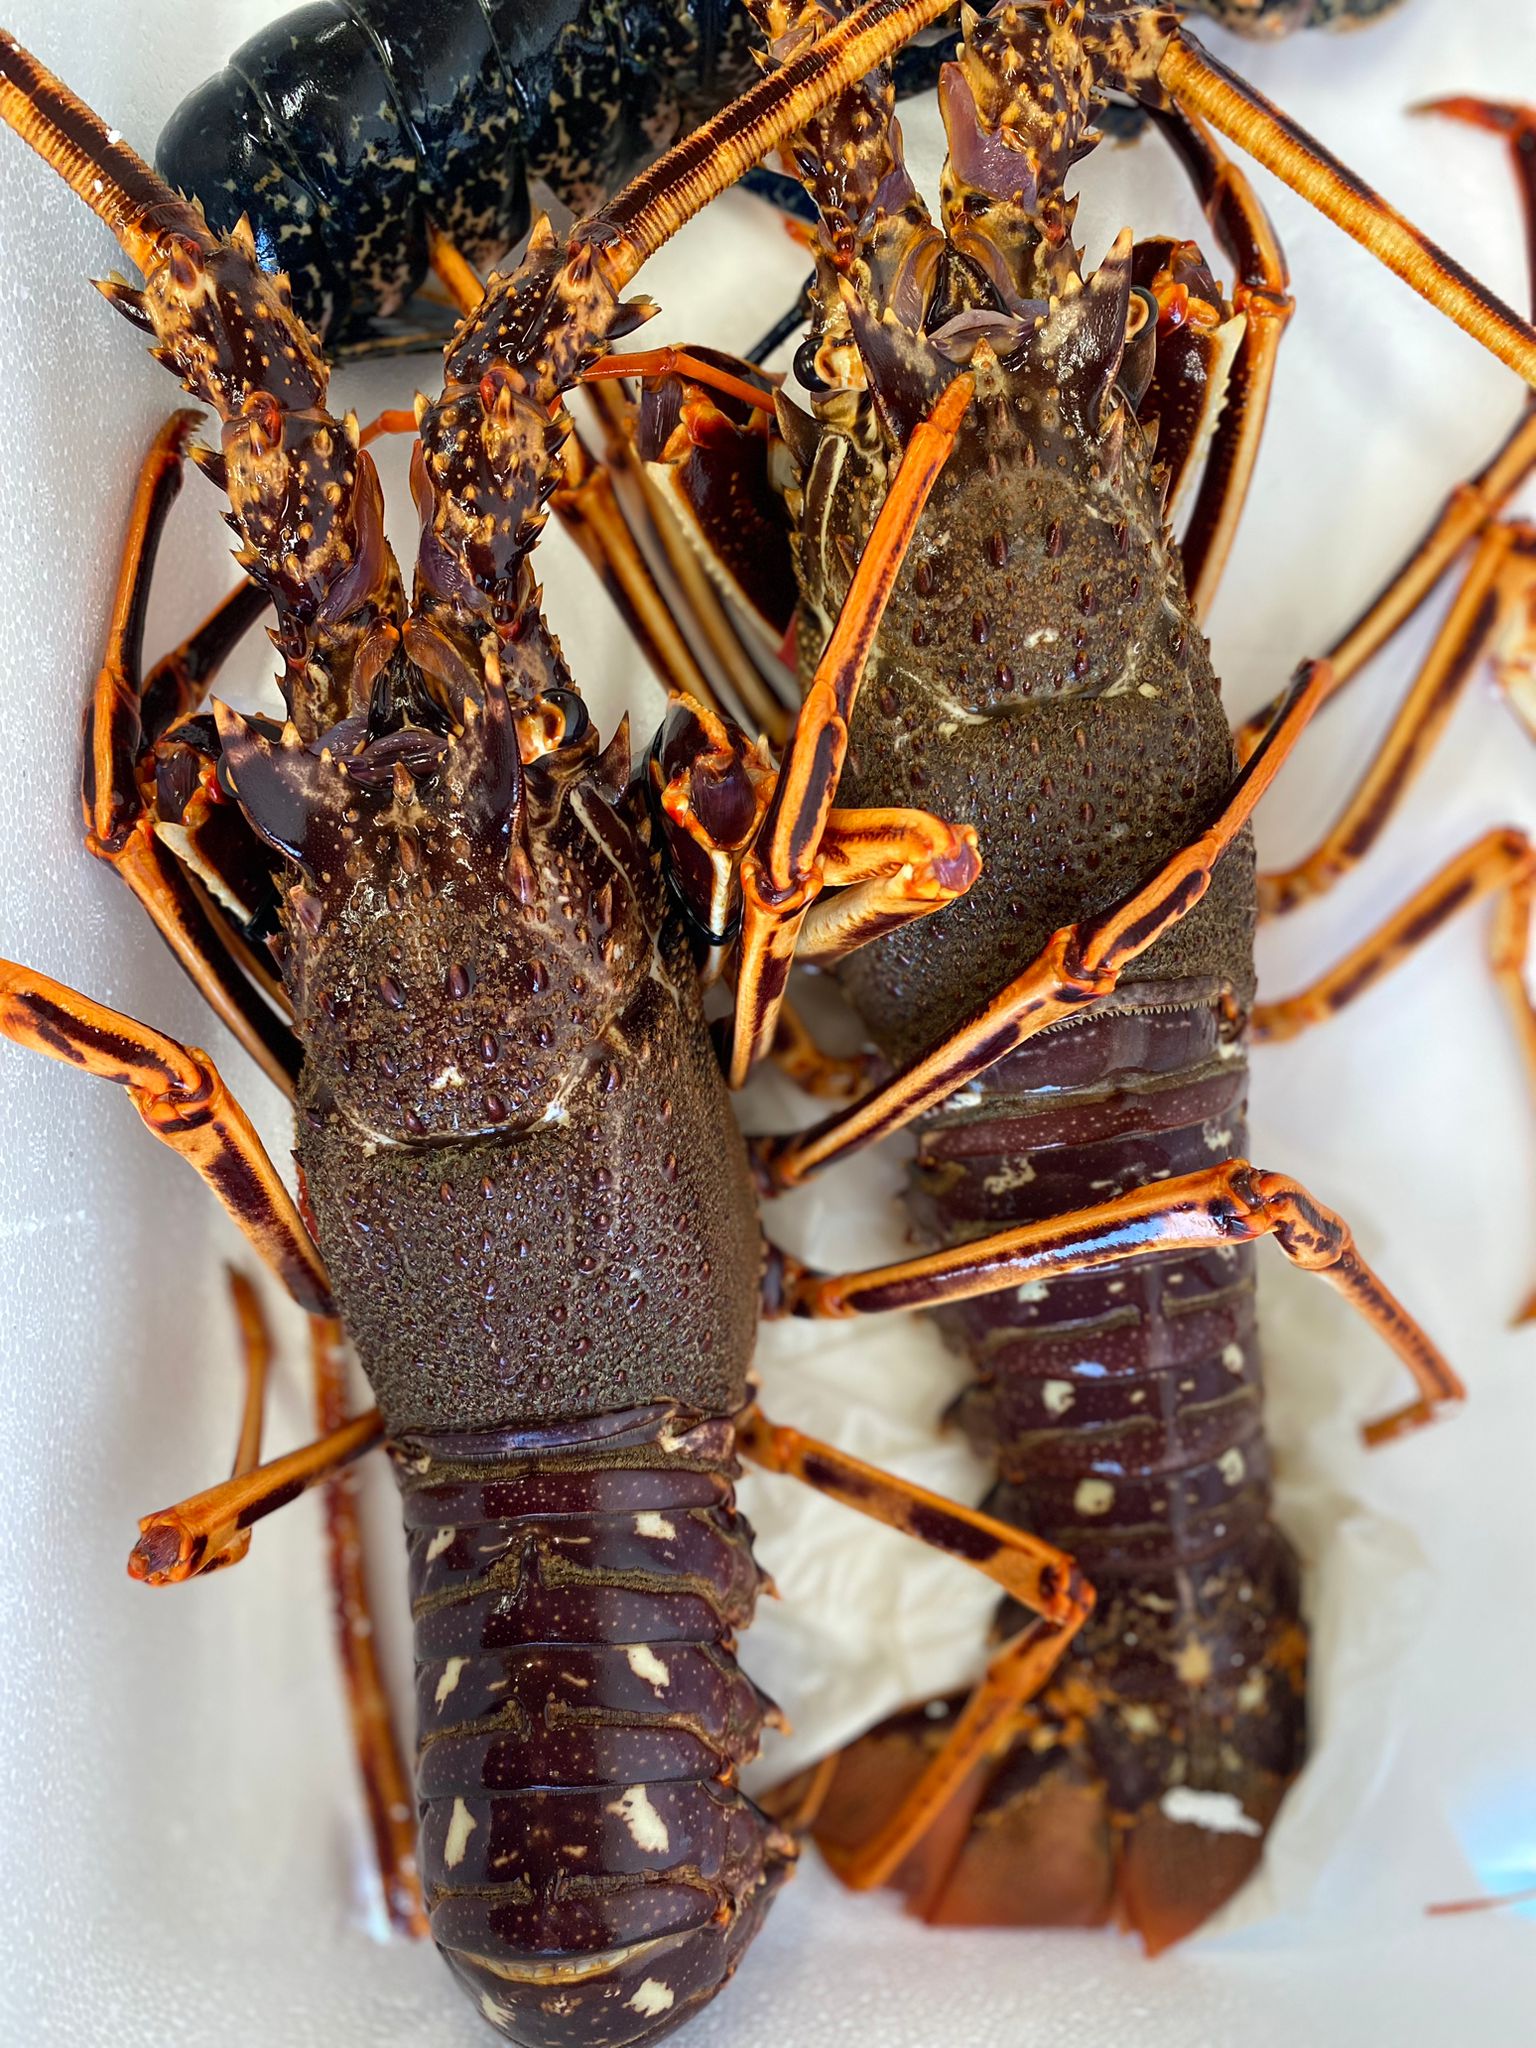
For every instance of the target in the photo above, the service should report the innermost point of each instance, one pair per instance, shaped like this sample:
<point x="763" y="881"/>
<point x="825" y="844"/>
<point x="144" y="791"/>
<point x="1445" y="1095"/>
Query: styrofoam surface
<point x="181" y="1852"/>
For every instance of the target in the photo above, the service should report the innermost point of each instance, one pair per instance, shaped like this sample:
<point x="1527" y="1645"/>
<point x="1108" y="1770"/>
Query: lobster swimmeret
<point x="349" y="129"/>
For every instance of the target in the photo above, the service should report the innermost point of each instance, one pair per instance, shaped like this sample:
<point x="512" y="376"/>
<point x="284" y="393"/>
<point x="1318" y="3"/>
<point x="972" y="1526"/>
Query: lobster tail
<point x="592" y="1872"/>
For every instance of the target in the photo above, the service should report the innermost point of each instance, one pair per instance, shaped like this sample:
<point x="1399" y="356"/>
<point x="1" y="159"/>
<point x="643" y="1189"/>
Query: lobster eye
<point x="574" y="712"/>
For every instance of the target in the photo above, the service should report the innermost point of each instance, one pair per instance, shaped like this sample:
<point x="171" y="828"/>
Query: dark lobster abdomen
<point x="590" y="1868"/>
<point x="1123" y="1410"/>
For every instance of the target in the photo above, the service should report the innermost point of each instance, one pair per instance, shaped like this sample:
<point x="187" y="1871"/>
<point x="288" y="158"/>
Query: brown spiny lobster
<point x="1070" y="1036"/>
<point x="523" y="1195"/>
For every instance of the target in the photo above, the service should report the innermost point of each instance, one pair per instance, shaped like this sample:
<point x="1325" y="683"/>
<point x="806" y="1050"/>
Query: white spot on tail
<point x="1093" y="1497"/>
<point x="460" y="1828"/>
<point x="452" y="1671"/>
<point x="442" y="1541"/>
<point x="645" y="1663"/>
<point x="1232" y="1465"/>
<point x="646" y="1827"/>
<point x="1233" y="1358"/>
<point x="1058" y="1396"/>
<point x="1013" y="1173"/>
<point x="1219" y="1813"/>
<point x="1032" y="1290"/>
<point x="654" y="1525"/>
<point x="653" y="1997"/>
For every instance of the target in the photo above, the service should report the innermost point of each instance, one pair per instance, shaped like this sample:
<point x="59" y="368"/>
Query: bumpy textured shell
<point x="591" y="1870"/>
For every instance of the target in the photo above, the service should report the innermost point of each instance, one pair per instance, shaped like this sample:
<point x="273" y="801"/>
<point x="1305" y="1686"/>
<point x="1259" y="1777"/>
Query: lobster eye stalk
<point x="1203" y="85"/>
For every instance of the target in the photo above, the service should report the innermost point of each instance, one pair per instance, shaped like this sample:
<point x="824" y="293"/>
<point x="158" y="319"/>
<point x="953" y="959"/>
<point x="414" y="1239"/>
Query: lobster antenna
<point x="652" y="207"/>
<point x="1205" y="86"/>
<point x="93" y="160"/>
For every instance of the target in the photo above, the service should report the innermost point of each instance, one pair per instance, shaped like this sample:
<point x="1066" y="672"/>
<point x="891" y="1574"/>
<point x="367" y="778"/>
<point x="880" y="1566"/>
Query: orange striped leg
<point x="1225" y="1205"/>
<point x="1501" y="864"/>
<point x="386" y="1783"/>
<point x="1037" y="1574"/>
<point x="711" y="630"/>
<point x="1491" y="613"/>
<point x="177" y="1091"/>
<point x="1079" y="964"/>
<point x="128" y="715"/>
<point x="1471" y="505"/>
<point x="778" y="878"/>
<point x="177" y="1543"/>
<point x="169" y="1549"/>
<point x="1202" y="85"/>
<point x="1260" y="293"/>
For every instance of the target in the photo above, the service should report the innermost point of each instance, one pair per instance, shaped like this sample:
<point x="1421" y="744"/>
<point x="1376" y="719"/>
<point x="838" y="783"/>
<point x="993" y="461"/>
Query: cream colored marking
<point x="453" y="1671"/>
<point x="1232" y="1465"/>
<point x="1032" y="1290"/>
<point x="596" y="1963"/>
<point x="653" y="1997"/>
<point x="1058" y="1396"/>
<point x="1093" y="1497"/>
<point x="1216" y="1139"/>
<point x="1232" y="1358"/>
<point x="646" y="1827"/>
<point x="450" y="1077"/>
<point x="1140" y="1720"/>
<point x="498" y="2015"/>
<point x="651" y="1524"/>
<point x="442" y="1541"/>
<point x="645" y="1663"/>
<point x="1219" y="1813"/>
<point x="1253" y="1691"/>
<point x="1193" y="1663"/>
<point x="1013" y="1173"/>
<point x="456" y="1841"/>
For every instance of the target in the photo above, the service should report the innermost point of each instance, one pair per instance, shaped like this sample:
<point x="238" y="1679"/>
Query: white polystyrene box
<point x="182" y="1853"/>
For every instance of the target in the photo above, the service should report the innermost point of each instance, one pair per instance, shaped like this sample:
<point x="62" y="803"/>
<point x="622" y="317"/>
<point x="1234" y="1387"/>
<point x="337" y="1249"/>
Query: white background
<point x="181" y="1851"/>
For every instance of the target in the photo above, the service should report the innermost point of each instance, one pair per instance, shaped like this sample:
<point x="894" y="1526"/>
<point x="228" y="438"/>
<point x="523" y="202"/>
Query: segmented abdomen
<point x="1123" y="1411"/>
<point x="591" y="1870"/>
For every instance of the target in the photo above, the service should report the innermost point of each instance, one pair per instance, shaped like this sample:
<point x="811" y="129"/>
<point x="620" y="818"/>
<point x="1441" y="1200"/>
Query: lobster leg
<point x="1036" y="1574"/>
<point x="128" y="715"/>
<point x="1471" y="505"/>
<point x="1260" y="294"/>
<point x="888" y="867"/>
<point x="386" y="1783"/>
<point x="178" y="1092"/>
<point x="1502" y="862"/>
<point x="176" y="1543"/>
<point x="796" y="1054"/>
<point x="224" y="1542"/>
<point x="1230" y="1204"/>
<point x="1490" y="611"/>
<point x="1079" y="964"/>
<point x="778" y="874"/>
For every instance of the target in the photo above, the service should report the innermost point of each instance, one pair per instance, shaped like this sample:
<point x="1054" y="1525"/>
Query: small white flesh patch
<point x="653" y="1997"/>
<point x="645" y="1663"/>
<point x="452" y="1671"/>
<point x="1093" y="1497"/>
<point x="646" y="1827"/>
<point x="651" y="1524"/>
<point x="1058" y="1396"/>
<point x="442" y="1541"/>
<point x="456" y="1841"/>
<point x="1219" y="1813"/>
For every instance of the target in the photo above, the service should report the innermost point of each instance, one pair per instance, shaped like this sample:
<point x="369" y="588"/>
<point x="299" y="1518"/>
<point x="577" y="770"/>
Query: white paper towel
<point x="182" y="1855"/>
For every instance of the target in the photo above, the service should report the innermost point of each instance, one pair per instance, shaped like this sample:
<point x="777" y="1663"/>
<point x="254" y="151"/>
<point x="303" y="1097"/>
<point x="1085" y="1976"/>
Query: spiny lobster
<point x="1040" y="673"/>
<point x="513" y="1136"/>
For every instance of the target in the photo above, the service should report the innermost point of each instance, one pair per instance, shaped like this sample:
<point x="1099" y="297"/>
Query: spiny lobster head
<point x="467" y="913"/>
<point x="1043" y="543"/>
